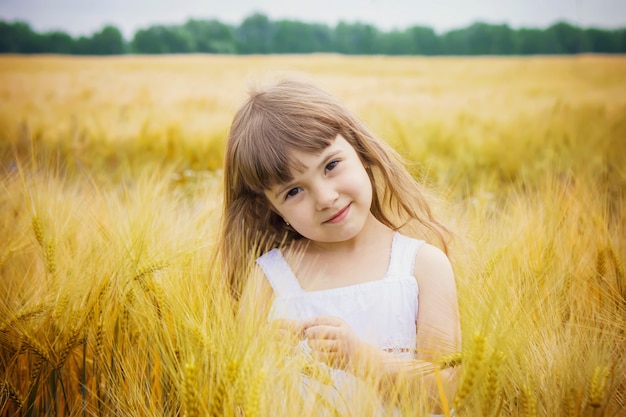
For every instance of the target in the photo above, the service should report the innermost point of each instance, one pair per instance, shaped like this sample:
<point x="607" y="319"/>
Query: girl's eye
<point x="293" y="192"/>
<point x="330" y="166"/>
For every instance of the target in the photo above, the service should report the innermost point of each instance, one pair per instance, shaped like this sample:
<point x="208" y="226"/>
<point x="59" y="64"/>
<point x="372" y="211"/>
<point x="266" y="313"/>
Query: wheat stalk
<point x="491" y="382"/>
<point x="253" y="404"/>
<point x="471" y="369"/>
<point x="38" y="230"/>
<point x="60" y="307"/>
<point x="50" y="256"/>
<point x="22" y="316"/>
<point x="570" y="403"/>
<point x="99" y="336"/>
<point x="13" y="394"/>
<point x="128" y="302"/>
<point x="601" y="263"/>
<point x="39" y="349"/>
<point x="451" y="360"/>
<point x="597" y="389"/>
<point x="313" y="369"/>
<point x="36" y="370"/>
<point x="232" y="376"/>
<point x="73" y="341"/>
<point x="191" y="399"/>
<point x="218" y="394"/>
<point x="529" y="402"/>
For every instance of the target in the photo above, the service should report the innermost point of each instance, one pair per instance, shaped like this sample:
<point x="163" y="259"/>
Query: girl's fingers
<point x="322" y="345"/>
<point x="289" y="327"/>
<point x="320" y="332"/>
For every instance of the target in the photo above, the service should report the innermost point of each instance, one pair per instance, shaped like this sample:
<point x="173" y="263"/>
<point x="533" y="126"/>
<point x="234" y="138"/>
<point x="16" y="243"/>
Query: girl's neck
<point x="364" y="258"/>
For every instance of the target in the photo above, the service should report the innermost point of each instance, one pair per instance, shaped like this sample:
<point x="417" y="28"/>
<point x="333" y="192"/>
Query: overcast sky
<point x="83" y="17"/>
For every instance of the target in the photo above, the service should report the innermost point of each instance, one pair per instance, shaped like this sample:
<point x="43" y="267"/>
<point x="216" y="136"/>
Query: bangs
<point x="265" y="149"/>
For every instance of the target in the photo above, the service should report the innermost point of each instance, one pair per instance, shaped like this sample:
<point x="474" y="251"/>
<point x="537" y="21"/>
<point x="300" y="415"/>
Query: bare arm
<point x="438" y="333"/>
<point x="438" y="325"/>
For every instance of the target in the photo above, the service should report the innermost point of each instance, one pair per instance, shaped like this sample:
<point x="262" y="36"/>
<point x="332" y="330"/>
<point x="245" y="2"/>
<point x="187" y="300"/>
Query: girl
<point x="327" y="209"/>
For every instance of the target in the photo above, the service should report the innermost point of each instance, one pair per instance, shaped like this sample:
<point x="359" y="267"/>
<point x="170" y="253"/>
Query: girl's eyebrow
<point x="323" y="163"/>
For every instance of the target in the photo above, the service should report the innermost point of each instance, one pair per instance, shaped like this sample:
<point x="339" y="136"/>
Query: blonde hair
<point x="289" y="115"/>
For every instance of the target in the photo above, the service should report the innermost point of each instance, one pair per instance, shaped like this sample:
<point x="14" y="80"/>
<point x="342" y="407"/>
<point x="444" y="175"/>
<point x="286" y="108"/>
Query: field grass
<point x="110" y="199"/>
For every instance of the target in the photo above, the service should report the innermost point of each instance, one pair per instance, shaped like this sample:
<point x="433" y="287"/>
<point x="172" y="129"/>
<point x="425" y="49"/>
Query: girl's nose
<point x="325" y="196"/>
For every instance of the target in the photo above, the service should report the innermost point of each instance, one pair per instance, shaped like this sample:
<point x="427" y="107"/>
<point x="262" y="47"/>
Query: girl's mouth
<point x="339" y="216"/>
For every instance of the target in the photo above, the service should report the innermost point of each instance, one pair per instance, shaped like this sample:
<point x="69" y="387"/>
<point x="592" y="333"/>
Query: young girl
<point x="337" y="223"/>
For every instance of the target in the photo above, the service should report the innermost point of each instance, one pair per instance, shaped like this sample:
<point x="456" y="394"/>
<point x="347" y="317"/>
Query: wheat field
<point x="110" y="199"/>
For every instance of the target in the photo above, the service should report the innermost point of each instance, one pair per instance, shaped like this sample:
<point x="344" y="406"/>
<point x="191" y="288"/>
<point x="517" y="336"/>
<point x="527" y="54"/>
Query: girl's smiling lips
<point x="339" y="216"/>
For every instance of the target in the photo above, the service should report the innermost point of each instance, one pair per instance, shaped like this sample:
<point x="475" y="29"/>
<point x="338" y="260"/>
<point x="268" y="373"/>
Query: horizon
<point x="79" y="18"/>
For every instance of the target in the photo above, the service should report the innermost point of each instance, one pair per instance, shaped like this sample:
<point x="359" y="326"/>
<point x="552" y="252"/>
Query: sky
<point x="84" y="17"/>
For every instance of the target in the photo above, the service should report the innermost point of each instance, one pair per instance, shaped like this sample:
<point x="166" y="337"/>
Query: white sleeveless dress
<point x="382" y="313"/>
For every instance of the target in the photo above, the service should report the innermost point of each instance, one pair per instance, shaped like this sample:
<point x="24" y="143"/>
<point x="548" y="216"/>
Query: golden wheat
<point x="529" y="402"/>
<point x="597" y="387"/>
<point x="38" y="230"/>
<point x="490" y="392"/>
<point x="108" y="282"/>
<point x="218" y="394"/>
<point x="570" y="406"/>
<point x="253" y="403"/>
<point x="98" y="338"/>
<point x="73" y="340"/>
<point x="470" y="368"/>
<point x="38" y="348"/>
<point x="50" y="256"/>
<point x="13" y="394"/>
<point x="451" y="360"/>
<point x="191" y="400"/>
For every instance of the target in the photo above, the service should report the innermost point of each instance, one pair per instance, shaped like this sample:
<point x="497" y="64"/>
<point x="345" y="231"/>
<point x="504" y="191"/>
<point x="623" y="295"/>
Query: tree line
<point x="257" y="34"/>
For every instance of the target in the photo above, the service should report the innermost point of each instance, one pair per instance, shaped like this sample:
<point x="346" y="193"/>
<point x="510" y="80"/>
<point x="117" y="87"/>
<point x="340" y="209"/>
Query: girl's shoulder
<point x="431" y="255"/>
<point x="433" y="268"/>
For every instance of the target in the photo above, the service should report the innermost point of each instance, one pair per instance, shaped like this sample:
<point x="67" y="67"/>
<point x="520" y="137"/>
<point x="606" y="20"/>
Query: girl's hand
<point x="332" y="341"/>
<point x="288" y="331"/>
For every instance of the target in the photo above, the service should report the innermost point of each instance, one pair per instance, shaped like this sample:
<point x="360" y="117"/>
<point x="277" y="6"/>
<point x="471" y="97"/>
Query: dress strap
<point x="403" y="252"/>
<point x="278" y="273"/>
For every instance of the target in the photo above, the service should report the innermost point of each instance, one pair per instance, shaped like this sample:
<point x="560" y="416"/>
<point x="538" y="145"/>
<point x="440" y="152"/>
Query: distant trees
<point x="211" y="36"/>
<point x="108" y="41"/>
<point x="162" y="40"/>
<point x="257" y="34"/>
<point x="296" y="37"/>
<point x="18" y="37"/>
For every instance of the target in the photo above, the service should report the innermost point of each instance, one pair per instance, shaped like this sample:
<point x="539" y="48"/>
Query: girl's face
<point x="330" y="197"/>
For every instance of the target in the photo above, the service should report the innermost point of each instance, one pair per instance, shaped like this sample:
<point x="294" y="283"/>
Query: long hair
<point x="296" y="115"/>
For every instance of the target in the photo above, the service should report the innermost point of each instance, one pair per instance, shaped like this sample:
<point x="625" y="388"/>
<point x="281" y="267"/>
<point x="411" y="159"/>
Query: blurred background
<point x="397" y="27"/>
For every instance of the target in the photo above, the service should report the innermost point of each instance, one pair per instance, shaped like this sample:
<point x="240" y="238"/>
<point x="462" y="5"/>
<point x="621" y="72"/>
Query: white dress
<point x="382" y="313"/>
